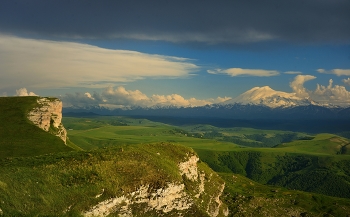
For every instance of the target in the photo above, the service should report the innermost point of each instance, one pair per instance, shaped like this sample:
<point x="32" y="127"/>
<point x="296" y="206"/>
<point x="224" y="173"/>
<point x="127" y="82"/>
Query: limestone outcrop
<point x="48" y="116"/>
<point x="198" y="189"/>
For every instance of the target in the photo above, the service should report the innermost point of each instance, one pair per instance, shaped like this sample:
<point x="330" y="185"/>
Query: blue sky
<point x="178" y="53"/>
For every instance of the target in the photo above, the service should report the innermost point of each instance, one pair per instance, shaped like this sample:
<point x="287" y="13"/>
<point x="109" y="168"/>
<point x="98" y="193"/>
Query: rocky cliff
<point x="48" y="116"/>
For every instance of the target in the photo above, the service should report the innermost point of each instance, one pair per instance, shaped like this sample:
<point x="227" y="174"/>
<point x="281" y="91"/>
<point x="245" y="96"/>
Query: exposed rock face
<point x="165" y="199"/>
<point x="200" y="191"/>
<point x="48" y="116"/>
<point x="189" y="168"/>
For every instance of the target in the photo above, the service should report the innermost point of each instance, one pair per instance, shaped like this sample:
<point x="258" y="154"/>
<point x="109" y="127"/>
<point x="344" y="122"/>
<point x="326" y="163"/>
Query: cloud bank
<point x="245" y="72"/>
<point x="330" y="94"/>
<point x="182" y="21"/>
<point x="51" y="64"/>
<point x="120" y="97"/>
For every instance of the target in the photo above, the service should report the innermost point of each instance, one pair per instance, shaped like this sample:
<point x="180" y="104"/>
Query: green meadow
<point x="92" y="133"/>
<point x="315" y="163"/>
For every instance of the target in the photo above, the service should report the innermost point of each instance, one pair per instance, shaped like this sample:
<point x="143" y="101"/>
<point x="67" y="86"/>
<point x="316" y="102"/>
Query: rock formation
<point x="197" y="189"/>
<point x="48" y="116"/>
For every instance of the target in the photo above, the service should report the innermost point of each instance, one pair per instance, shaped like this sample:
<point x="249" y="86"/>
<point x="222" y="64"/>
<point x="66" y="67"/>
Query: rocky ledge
<point x="48" y="116"/>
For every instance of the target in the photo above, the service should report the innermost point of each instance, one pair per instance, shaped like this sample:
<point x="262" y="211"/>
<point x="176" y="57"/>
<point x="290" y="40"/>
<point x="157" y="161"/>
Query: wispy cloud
<point x="244" y="72"/>
<point x="237" y="36"/>
<point x="121" y="97"/>
<point x="52" y="64"/>
<point x="338" y="72"/>
<point x="293" y="72"/>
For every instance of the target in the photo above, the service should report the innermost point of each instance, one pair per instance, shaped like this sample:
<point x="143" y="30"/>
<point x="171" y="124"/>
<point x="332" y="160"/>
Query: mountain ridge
<point x="258" y="102"/>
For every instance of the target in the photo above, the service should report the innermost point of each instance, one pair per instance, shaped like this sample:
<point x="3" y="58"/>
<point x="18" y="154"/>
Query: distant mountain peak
<point x="268" y="97"/>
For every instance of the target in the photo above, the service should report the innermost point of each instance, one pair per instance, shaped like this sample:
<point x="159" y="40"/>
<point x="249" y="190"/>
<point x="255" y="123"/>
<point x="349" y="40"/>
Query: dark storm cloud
<point x="182" y="21"/>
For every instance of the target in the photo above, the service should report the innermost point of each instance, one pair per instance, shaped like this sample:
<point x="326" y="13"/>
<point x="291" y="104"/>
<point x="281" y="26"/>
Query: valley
<point x="290" y="161"/>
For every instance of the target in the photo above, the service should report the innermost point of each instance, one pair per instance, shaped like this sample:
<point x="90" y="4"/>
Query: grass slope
<point x="324" y="174"/>
<point x="96" y="132"/>
<point x="18" y="136"/>
<point x="65" y="184"/>
<point x="316" y="164"/>
<point x="322" y="144"/>
<point x="248" y="198"/>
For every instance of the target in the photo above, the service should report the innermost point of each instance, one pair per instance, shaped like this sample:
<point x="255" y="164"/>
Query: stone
<point x="49" y="115"/>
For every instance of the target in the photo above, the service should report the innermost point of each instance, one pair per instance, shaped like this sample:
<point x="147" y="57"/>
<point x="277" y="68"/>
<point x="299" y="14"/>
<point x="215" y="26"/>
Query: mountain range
<point x="256" y="103"/>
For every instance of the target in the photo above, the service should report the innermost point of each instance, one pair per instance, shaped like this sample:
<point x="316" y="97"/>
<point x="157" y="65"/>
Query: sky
<point x="184" y="53"/>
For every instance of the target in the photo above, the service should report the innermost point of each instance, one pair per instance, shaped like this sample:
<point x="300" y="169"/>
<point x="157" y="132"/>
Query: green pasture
<point x="329" y="144"/>
<point x="234" y="131"/>
<point x="125" y="135"/>
<point x="96" y="132"/>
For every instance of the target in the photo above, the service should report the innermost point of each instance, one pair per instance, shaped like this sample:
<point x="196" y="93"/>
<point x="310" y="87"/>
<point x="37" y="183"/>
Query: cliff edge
<point x="48" y="116"/>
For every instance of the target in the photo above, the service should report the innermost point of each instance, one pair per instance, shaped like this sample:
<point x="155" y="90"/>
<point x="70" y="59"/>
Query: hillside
<point x="319" y="165"/>
<point x="281" y="158"/>
<point x="19" y="136"/>
<point x="124" y="166"/>
<point x="40" y="175"/>
<point x="321" y="144"/>
<point x="144" y="180"/>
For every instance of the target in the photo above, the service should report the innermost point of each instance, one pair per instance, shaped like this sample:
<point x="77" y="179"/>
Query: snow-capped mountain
<point x="257" y="103"/>
<point x="266" y="96"/>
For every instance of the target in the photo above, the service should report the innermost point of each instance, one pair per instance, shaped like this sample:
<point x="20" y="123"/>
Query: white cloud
<point x="331" y="94"/>
<point x="337" y="95"/>
<point x="80" y="99"/>
<point x="245" y="72"/>
<point x="177" y="100"/>
<point x="293" y="72"/>
<point x="120" y="97"/>
<point x="298" y="85"/>
<point x="321" y="70"/>
<point x="24" y="92"/>
<point x="53" y="64"/>
<point x="346" y="81"/>
<point x="338" y="72"/>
